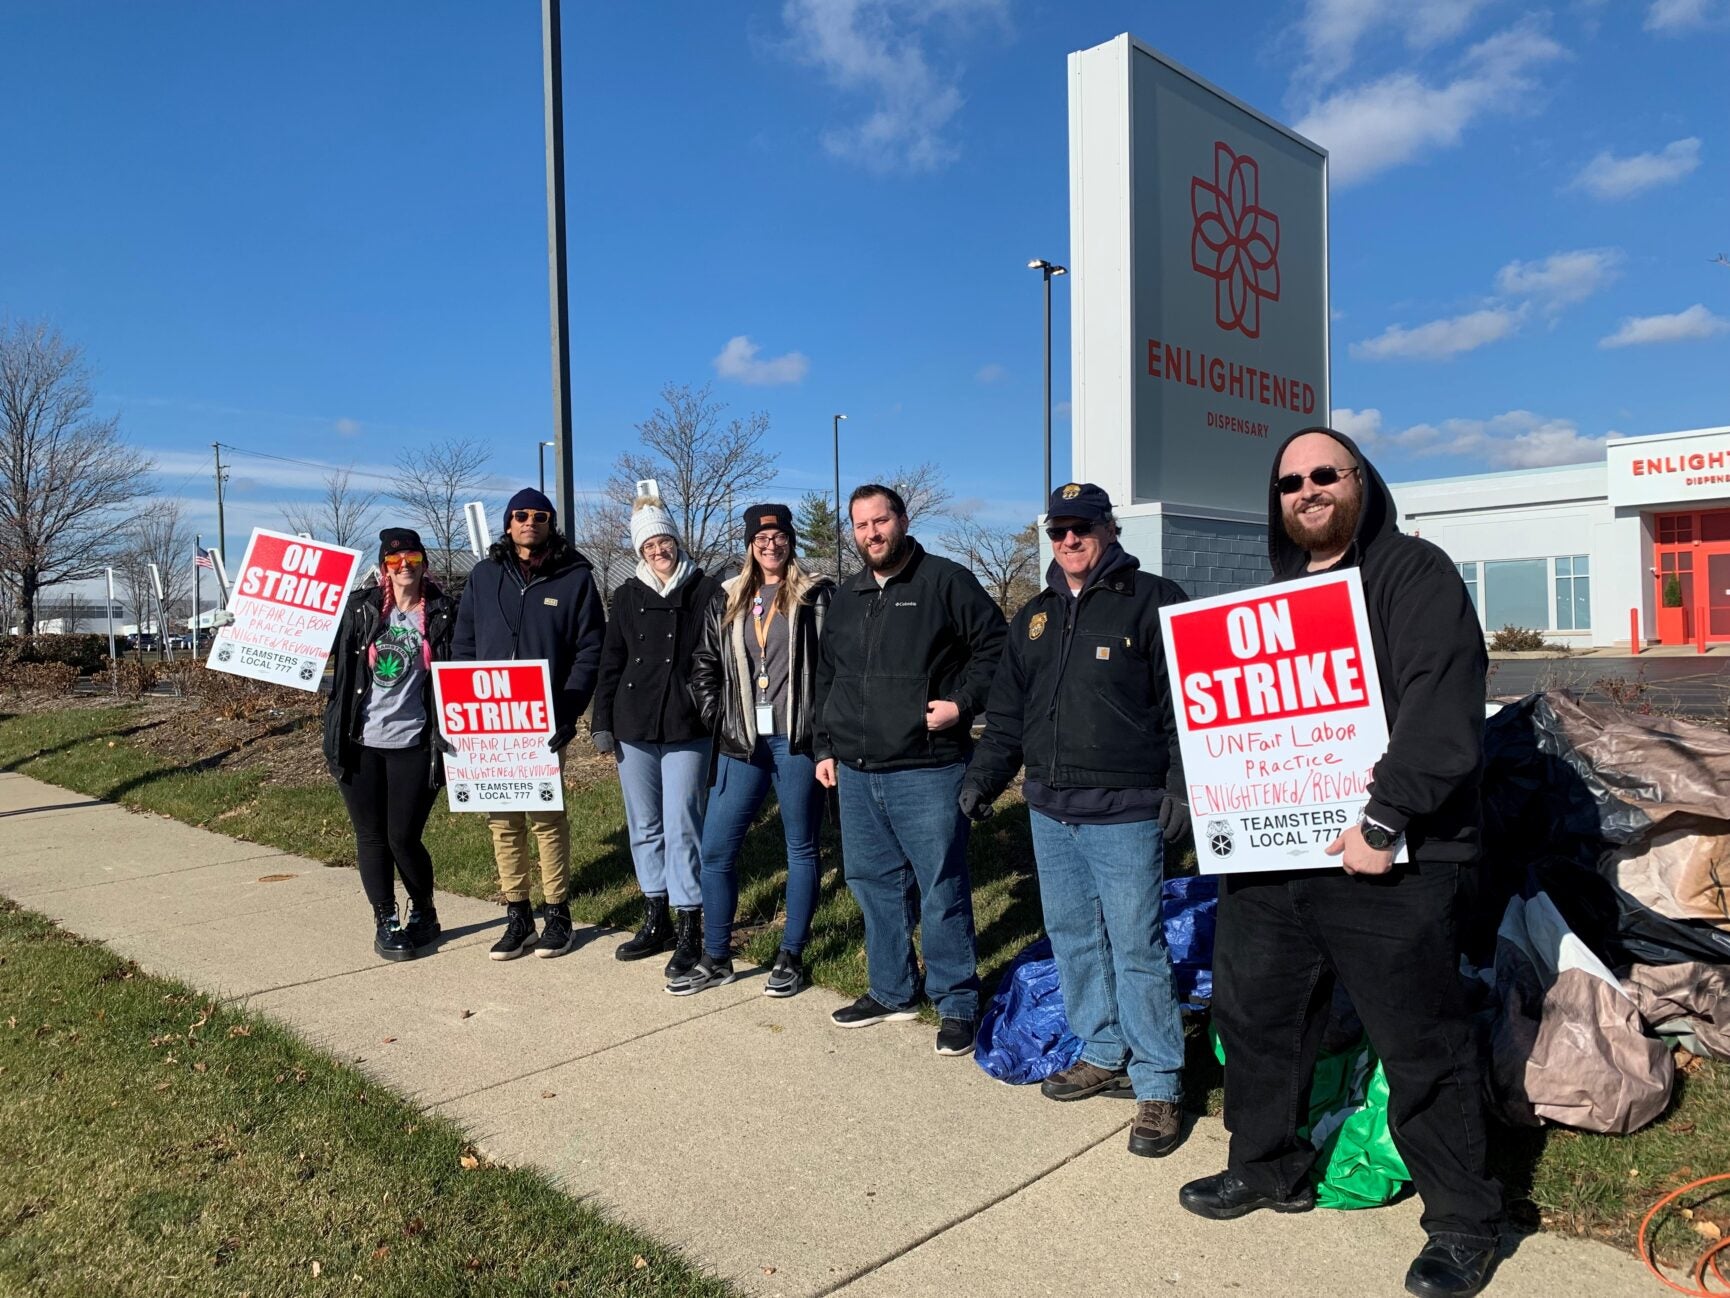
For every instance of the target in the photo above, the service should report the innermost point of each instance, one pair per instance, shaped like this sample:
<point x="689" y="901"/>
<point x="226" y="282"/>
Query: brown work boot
<point x="1157" y="1129"/>
<point x="1082" y="1079"/>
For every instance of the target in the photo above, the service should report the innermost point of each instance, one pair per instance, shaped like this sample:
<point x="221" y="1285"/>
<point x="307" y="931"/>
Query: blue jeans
<point x="665" y="787"/>
<point x="738" y="795"/>
<point x="1099" y="885"/>
<point x="904" y="841"/>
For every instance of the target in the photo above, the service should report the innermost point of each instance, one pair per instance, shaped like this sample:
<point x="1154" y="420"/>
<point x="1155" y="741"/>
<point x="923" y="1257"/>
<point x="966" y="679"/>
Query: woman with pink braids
<point x="379" y="738"/>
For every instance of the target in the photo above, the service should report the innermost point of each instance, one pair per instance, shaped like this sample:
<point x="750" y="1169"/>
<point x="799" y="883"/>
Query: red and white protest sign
<point x="287" y="603"/>
<point x="1280" y="719"/>
<point x="496" y="718"/>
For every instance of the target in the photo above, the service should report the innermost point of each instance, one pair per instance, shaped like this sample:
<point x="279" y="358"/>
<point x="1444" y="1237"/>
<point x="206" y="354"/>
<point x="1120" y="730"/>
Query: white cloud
<point x="1679" y="15"/>
<point x="346" y="427"/>
<point x="1562" y="277"/>
<point x="991" y="373"/>
<point x="1518" y="439"/>
<point x="876" y="49"/>
<point x="738" y="360"/>
<point x="1380" y="124"/>
<point x="1607" y="176"/>
<point x="1683" y="326"/>
<point x="1332" y="29"/>
<point x="1440" y="339"/>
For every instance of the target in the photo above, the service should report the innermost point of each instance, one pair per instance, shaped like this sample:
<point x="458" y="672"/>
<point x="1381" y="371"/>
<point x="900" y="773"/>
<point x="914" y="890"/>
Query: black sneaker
<point x="687" y="941"/>
<point x="1225" y="1197"/>
<point x="556" y="936"/>
<point x="519" y="931"/>
<point x="786" y="978"/>
<point x="390" y="941"/>
<point x="709" y="971"/>
<point x="423" y="924"/>
<point x="865" y="1011"/>
<point x="1450" y="1269"/>
<point x="955" y="1037"/>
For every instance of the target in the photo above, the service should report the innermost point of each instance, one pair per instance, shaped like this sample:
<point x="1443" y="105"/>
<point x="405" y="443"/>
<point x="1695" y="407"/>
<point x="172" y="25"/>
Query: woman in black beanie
<point x="380" y="740"/>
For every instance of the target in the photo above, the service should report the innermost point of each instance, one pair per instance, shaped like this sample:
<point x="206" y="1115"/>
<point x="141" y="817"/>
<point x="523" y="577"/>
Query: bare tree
<point x="703" y="467"/>
<point x="63" y="472"/>
<point x="602" y="531"/>
<point x="1005" y="559"/>
<point x="925" y="490"/>
<point x="344" y="514"/>
<point x="434" y="484"/>
<point x="157" y="536"/>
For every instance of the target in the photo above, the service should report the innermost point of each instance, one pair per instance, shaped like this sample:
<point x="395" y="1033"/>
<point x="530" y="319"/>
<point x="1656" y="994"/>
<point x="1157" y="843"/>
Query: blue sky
<point x="318" y="229"/>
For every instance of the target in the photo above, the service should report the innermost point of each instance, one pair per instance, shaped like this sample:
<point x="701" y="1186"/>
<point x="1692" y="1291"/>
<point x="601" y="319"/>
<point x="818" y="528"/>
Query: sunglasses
<point x="530" y="516"/>
<point x="1080" y="530"/>
<point x="395" y="561"/>
<point x="1323" y="475"/>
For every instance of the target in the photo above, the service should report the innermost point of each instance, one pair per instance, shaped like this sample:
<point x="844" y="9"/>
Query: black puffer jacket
<point x="644" y="690"/>
<point x="721" y="674"/>
<point x="1430" y="655"/>
<point x="931" y="633"/>
<point x="552" y="611"/>
<point x="1081" y="692"/>
<point x="353" y="678"/>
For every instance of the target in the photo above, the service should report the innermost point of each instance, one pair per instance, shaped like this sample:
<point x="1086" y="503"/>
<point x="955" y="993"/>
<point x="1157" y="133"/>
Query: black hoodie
<point x="1430" y="656"/>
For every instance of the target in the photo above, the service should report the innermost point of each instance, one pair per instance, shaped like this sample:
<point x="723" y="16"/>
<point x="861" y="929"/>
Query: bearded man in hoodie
<point x="1386" y="930"/>
<point x="1081" y="697"/>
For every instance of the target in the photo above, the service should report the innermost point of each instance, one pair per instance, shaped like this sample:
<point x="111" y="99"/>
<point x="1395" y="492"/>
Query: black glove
<point x="974" y="804"/>
<point x="562" y="736"/>
<point x="1173" y="817"/>
<point x="603" y="741"/>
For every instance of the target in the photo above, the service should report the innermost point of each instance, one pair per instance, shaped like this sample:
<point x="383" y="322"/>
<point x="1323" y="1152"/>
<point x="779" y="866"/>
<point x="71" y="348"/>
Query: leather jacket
<point x="721" y="675"/>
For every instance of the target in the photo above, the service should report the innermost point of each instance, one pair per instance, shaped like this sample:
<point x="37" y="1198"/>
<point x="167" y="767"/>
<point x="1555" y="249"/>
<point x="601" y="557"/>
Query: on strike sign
<point x="287" y="603"/>
<point x="1280" y="720"/>
<point x="496" y="718"/>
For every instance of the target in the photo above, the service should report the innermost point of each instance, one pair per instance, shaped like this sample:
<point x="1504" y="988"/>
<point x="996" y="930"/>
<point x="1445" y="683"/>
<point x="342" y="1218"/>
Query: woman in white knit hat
<point x="645" y="716"/>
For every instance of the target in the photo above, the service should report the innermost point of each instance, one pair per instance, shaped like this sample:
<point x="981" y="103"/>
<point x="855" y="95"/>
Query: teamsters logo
<point x="1219" y="837"/>
<point x="1235" y="242"/>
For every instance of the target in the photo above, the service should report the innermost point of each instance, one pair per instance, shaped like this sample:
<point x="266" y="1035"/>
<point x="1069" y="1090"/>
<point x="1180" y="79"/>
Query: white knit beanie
<point x="649" y="519"/>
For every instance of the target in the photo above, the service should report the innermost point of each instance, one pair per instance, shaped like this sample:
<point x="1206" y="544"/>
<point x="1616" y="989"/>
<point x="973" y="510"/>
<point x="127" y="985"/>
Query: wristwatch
<point x="1378" y="836"/>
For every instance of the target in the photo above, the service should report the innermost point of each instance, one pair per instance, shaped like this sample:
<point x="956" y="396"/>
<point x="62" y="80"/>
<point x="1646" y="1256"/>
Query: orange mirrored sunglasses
<point x="407" y="559"/>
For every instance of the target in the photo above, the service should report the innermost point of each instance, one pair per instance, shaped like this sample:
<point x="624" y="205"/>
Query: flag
<point x="201" y="558"/>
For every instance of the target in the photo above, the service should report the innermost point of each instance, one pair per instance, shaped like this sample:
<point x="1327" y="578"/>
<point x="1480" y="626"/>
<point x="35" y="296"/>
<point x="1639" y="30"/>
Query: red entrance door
<point x="1692" y="554"/>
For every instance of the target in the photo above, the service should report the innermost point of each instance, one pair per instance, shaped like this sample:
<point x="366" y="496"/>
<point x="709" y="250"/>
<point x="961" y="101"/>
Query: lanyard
<point x="760" y="627"/>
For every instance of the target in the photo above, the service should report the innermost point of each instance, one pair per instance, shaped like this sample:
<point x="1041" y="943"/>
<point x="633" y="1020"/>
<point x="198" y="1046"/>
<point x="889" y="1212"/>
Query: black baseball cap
<point x="1080" y="500"/>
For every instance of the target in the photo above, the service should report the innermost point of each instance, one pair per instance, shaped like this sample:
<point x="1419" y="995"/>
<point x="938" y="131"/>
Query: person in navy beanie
<point x="534" y="596"/>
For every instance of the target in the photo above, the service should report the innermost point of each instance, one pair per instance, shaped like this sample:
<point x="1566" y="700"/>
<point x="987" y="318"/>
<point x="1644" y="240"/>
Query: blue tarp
<point x="1024" y="1034"/>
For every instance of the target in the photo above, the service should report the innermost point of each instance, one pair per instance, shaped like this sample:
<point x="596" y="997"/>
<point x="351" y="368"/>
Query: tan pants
<point x="511" y="851"/>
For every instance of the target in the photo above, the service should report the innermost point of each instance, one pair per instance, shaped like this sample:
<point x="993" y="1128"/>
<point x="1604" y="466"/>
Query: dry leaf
<point x="240" y="1030"/>
<point x="275" y="878"/>
<point x="466" y="1014"/>
<point x="161" y="1086"/>
<point x="381" y="1252"/>
<point x="470" y="1162"/>
<point x="1709" y="1229"/>
<point x="317" y="1269"/>
<point x="201" y="1067"/>
<point x="547" y="1095"/>
<point x="640" y="1262"/>
<point x="768" y="1270"/>
<point x="388" y="1041"/>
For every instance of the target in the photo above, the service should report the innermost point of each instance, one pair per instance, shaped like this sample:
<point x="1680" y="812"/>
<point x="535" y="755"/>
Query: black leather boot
<point x="687" y="941"/>
<point x="654" y="937"/>
<point x="391" y="941"/>
<point x="423" y="924"/>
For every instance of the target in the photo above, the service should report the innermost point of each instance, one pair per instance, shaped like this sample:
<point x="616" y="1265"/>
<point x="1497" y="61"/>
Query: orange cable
<point x="1706" y="1260"/>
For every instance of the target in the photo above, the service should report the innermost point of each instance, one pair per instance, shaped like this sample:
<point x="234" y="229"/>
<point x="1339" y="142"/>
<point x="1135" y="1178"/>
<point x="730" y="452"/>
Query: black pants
<point x="1392" y="943"/>
<point x="389" y="798"/>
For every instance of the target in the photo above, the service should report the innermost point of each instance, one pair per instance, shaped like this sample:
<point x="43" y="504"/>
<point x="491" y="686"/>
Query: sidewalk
<point x="788" y="1156"/>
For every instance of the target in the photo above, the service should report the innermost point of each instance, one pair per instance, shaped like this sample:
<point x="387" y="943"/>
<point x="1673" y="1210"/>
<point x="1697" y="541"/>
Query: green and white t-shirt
<point x="394" y="714"/>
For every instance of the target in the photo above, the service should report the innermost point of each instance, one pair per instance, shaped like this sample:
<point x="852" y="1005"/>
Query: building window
<point x="1469" y="575"/>
<point x="1573" y="593"/>
<point x="1517" y="593"/>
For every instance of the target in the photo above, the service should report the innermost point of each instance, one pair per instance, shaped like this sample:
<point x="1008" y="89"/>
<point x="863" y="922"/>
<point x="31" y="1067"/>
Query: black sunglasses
<point x="1323" y="475"/>
<point x="531" y="516"/>
<point x="1080" y="530"/>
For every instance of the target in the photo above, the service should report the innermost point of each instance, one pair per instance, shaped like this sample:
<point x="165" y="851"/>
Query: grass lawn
<point x="1565" y="1181"/>
<point x="154" y="1143"/>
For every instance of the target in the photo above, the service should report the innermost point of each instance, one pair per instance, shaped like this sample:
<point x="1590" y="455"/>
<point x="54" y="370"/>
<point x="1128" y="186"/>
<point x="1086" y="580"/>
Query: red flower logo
<point x="1236" y="240"/>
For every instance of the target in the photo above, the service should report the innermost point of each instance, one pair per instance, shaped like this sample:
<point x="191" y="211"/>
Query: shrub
<point x="38" y="678"/>
<point x="85" y="652"/>
<point x="235" y="697"/>
<point x="136" y="678"/>
<point x="1518" y="639"/>
<point x="1672" y="591"/>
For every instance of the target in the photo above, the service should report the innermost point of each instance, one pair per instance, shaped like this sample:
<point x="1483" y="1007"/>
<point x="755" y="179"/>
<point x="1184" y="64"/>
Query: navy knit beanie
<point x="529" y="498"/>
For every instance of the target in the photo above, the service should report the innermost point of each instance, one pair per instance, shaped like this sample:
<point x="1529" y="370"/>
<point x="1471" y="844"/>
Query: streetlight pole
<point x="543" y="457"/>
<point x="552" y="83"/>
<point x="1047" y="269"/>
<point x="837" y="422"/>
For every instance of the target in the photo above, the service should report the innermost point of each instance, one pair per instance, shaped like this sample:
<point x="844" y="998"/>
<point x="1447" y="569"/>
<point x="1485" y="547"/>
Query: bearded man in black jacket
<point x="1386" y="930"/>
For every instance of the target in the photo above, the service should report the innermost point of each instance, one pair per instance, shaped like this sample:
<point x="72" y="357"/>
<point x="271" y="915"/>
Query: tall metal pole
<point x="221" y="526"/>
<point x="552" y="80"/>
<point x="197" y="589"/>
<point x="113" y="664"/>
<point x="837" y="423"/>
<point x="1047" y="496"/>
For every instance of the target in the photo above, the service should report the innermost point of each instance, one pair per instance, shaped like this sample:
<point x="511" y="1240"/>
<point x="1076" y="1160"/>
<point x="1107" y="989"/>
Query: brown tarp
<point x="1692" y="998"/>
